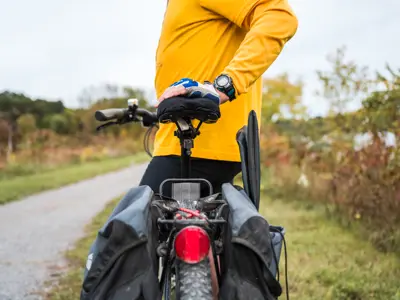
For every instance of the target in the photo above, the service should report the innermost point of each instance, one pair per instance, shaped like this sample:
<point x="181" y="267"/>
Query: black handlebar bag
<point x="122" y="262"/>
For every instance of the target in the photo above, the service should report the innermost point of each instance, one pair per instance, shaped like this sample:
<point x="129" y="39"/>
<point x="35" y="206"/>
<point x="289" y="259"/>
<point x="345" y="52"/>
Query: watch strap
<point x="228" y="90"/>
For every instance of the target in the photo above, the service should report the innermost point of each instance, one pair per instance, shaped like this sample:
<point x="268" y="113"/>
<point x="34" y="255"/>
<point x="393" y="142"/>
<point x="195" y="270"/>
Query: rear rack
<point x="190" y="221"/>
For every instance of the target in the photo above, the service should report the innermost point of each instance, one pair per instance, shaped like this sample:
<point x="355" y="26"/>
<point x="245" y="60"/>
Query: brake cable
<point x="286" y="264"/>
<point x="146" y="139"/>
<point x="192" y="213"/>
<point x="165" y="274"/>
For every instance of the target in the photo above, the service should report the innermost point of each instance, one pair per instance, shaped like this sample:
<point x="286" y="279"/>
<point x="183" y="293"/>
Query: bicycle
<point x="190" y="227"/>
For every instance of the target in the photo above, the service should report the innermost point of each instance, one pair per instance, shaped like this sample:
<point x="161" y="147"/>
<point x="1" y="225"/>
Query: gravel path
<point x="35" y="232"/>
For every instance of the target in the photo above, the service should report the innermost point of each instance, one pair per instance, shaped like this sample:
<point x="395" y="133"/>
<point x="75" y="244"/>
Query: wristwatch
<point x="224" y="84"/>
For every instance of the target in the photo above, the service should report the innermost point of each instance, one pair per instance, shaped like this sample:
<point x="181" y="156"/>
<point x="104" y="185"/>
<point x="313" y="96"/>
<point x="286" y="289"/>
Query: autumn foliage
<point x="42" y="132"/>
<point x="347" y="160"/>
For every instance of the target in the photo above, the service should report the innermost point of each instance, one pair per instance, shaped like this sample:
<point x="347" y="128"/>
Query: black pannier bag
<point x="252" y="247"/>
<point x="122" y="262"/>
<point x="250" y="259"/>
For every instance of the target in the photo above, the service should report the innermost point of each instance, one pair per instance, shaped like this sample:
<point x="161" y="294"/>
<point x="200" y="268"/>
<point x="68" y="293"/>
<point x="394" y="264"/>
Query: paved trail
<point x="35" y="231"/>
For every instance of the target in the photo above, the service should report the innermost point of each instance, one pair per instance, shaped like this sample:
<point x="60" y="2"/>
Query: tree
<point x="344" y="83"/>
<point x="14" y="105"/>
<point x="27" y="124"/>
<point x="43" y="108"/>
<point x="92" y="94"/>
<point x="124" y="93"/>
<point x="382" y="107"/>
<point x="281" y="98"/>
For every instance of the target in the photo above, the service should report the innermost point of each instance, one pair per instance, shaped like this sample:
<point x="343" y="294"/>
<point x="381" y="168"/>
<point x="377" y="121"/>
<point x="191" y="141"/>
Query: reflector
<point x="192" y="244"/>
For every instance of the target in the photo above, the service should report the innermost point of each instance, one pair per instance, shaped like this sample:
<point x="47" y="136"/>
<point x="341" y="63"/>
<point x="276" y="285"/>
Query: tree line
<point x="21" y="116"/>
<point x="318" y="159"/>
<point x="323" y="159"/>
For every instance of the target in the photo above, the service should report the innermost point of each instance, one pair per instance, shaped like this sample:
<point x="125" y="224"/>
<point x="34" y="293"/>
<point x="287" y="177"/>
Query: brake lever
<point x="124" y="120"/>
<point x="102" y="126"/>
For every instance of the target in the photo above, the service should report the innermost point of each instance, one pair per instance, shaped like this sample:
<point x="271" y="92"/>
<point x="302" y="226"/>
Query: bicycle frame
<point x="191" y="214"/>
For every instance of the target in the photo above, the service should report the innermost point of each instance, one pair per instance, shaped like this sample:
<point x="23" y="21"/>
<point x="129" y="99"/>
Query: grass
<point x="324" y="260"/>
<point x="327" y="262"/>
<point x="384" y="236"/>
<point x="17" y="187"/>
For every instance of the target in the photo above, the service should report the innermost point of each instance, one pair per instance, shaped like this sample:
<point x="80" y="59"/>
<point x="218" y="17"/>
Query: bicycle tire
<point x="193" y="281"/>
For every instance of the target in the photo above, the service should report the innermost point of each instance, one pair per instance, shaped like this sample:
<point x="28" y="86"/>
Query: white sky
<point x="54" y="48"/>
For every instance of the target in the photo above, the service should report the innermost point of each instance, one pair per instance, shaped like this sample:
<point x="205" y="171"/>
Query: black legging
<point x="166" y="167"/>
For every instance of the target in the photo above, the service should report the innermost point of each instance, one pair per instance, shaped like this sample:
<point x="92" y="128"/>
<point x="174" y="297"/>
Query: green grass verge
<point x="324" y="260"/>
<point x="21" y="186"/>
<point x="385" y="237"/>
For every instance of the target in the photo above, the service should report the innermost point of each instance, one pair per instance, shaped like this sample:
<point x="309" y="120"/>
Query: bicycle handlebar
<point x="127" y="115"/>
<point x="120" y="116"/>
<point x="110" y="114"/>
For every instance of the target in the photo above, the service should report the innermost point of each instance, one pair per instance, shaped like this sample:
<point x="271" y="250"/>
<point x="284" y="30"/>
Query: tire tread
<point x="194" y="281"/>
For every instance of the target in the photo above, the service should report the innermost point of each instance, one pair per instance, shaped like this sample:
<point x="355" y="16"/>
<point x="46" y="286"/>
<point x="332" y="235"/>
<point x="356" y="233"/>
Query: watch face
<point x="223" y="81"/>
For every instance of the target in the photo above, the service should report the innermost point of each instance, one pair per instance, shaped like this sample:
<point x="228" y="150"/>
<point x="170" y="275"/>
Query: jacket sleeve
<point x="269" y="24"/>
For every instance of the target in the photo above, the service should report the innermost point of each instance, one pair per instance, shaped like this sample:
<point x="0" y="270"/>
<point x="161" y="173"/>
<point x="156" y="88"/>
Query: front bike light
<point x="133" y="102"/>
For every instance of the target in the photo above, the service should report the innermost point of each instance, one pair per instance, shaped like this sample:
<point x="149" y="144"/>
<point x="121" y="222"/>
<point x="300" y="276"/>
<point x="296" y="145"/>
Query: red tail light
<point x="192" y="244"/>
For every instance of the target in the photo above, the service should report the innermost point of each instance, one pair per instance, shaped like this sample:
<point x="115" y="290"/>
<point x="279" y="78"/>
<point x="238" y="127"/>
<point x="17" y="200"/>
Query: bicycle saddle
<point x="202" y="109"/>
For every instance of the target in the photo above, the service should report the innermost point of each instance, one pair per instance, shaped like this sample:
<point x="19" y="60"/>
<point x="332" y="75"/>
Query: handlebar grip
<point x="109" y="114"/>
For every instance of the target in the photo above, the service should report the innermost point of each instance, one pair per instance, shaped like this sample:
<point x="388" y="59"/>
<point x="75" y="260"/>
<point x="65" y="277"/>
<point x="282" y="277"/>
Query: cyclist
<point x="230" y="43"/>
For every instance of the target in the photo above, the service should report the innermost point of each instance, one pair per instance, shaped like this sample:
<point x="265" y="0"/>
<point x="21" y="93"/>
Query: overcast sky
<point x="54" y="48"/>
